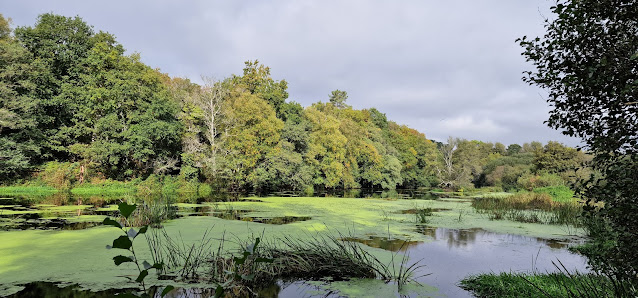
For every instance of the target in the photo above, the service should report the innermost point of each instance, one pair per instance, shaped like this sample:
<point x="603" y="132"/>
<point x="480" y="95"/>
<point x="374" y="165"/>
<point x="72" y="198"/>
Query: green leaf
<point x="122" y="242"/>
<point x="109" y="222"/>
<point x="142" y="275"/>
<point x="121" y="259"/>
<point x="126" y="209"/>
<point x="143" y="230"/>
<point x="158" y="266"/>
<point x="167" y="290"/>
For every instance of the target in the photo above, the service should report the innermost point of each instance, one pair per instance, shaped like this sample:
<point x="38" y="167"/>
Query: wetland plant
<point x="561" y="283"/>
<point x="125" y="242"/>
<point x="423" y="215"/>
<point x="530" y="208"/>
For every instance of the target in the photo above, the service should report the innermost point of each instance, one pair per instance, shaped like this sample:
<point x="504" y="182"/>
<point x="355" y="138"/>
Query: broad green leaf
<point x="142" y="275"/>
<point x="121" y="259"/>
<point x="109" y="222"/>
<point x="126" y="209"/>
<point x="122" y="242"/>
<point x="167" y="290"/>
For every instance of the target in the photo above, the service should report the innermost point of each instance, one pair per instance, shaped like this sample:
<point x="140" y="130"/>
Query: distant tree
<point x="513" y="149"/>
<point x="532" y="147"/>
<point x="338" y="98"/>
<point x="499" y="148"/>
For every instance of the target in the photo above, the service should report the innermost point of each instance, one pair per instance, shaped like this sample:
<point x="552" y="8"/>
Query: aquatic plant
<point x="422" y="215"/>
<point x="530" y="208"/>
<point x="125" y="242"/>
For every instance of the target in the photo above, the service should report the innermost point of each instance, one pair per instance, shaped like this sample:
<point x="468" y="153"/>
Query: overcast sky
<point x="445" y="68"/>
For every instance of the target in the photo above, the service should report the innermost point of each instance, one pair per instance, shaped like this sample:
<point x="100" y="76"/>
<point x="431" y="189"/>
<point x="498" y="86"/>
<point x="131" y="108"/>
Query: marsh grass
<point x="152" y="213"/>
<point x="530" y="208"/>
<point x="556" y="284"/>
<point x="31" y="191"/>
<point x="244" y="271"/>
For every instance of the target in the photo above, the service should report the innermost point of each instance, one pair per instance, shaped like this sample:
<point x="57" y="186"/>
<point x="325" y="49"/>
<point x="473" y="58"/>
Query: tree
<point x="212" y="101"/>
<point x="338" y="98"/>
<point x="21" y="140"/>
<point x="257" y="80"/>
<point x="514" y="149"/>
<point x="588" y="62"/>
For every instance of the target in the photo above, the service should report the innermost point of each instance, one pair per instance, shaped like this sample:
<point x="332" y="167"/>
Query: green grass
<point x="105" y="189"/>
<point x="538" y="285"/>
<point x="27" y="190"/>
<point x="559" y="193"/>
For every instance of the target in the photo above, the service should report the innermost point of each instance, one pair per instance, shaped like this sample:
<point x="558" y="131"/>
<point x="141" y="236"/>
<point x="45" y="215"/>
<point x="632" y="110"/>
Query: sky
<point x="445" y="68"/>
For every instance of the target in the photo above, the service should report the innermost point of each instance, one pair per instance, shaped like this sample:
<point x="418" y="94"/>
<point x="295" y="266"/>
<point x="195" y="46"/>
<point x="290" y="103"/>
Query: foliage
<point x="587" y="61"/>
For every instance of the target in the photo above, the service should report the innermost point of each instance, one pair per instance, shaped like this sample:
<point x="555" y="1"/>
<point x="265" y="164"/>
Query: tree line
<point x="70" y="96"/>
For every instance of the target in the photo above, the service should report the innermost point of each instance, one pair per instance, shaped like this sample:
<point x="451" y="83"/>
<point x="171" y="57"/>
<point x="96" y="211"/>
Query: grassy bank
<point x="558" y="284"/>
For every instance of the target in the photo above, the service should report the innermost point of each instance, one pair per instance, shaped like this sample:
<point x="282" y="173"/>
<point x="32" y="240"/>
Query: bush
<point x="531" y="181"/>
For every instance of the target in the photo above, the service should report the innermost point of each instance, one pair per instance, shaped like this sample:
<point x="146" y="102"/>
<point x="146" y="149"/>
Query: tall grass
<point x="530" y="208"/>
<point x="556" y="284"/>
<point x="242" y="272"/>
<point x="27" y="191"/>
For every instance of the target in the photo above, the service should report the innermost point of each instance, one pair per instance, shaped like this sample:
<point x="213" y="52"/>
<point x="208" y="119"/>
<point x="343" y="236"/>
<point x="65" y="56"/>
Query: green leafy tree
<point x="587" y="61"/>
<point x="21" y="139"/>
<point x="257" y="80"/>
<point x="254" y="133"/>
<point x="123" y="118"/>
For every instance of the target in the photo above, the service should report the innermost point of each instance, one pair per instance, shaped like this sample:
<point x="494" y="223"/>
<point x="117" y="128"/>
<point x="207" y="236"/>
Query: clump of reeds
<point x="255" y="265"/>
<point x="530" y="208"/>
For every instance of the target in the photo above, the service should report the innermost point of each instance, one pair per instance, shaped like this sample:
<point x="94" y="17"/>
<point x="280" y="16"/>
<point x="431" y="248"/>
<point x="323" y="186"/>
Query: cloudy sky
<point x="446" y="68"/>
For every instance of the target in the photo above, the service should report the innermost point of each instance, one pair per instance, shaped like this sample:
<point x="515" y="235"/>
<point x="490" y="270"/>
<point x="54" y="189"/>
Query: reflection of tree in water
<point x="454" y="237"/>
<point x="385" y="243"/>
<point x="463" y="237"/>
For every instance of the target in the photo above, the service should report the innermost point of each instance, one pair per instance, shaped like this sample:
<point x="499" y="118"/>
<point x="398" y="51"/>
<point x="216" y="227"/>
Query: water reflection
<point x="465" y="237"/>
<point x="385" y="243"/>
<point x="456" y="253"/>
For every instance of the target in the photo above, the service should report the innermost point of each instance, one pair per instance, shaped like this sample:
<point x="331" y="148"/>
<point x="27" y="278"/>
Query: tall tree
<point x="588" y="61"/>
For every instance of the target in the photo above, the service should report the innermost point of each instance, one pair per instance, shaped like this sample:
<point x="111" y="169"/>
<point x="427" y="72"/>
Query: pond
<point x="454" y="243"/>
